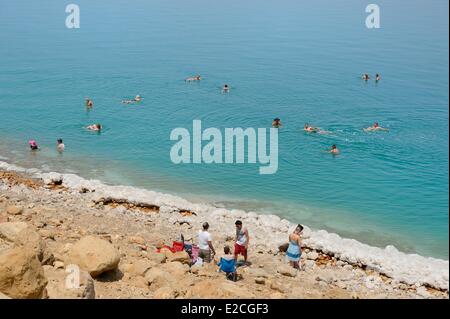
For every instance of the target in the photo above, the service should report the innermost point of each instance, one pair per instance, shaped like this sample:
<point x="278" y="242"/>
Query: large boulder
<point x="31" y="240"/>
<point x="21" y="274"/>
<point x="61" y="287"/>
<point x="95" y="255"/>
<point x="9" y="231"/>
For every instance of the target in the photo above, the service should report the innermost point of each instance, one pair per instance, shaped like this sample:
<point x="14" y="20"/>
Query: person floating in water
<point x="365" y="77"/>
<point x="60" y="145"/>
<point x="334" y="150"/>
<point x="310" y="129"/>
<point x="225" y="88"/>
<point x="377" y="77"/>
<point x="276" y="123"/>
<point x="95" y="127"/>
<point x="193" y="78"/>
<point x="33" y="145"/>
<point x="375" y="127"/>
<point x="137" y="99"/>
<point x="89" y="104"/>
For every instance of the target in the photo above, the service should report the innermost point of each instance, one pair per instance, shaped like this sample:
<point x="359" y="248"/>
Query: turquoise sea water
<point x="297" y="60"/>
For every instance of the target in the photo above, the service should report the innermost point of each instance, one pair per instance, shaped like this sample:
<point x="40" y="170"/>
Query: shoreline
<point x="367" y="231"/>
<point x="267" y="231"/>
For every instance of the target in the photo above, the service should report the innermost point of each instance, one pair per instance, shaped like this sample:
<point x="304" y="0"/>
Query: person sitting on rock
<point x="227" y="264"/>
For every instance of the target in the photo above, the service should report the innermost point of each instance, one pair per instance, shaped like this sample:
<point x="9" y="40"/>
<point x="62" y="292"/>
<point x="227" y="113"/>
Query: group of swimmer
<point x="366" y="77"/>
<point x="97" y="127"/>
<point x="276" y="123"/>
<point x="225" y="88"/>
<point x="59" y="145"/>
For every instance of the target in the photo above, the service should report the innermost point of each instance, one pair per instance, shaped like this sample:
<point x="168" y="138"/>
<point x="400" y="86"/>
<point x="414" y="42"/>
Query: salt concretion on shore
<point x="267" y="231"/>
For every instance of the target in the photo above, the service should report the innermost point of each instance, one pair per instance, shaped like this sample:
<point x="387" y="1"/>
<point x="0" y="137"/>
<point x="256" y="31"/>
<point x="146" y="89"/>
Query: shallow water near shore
<point x="296" y="61"/>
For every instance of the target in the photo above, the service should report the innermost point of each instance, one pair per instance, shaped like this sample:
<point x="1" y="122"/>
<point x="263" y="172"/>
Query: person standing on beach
<point x="242" y="240"/>
<point x="207" y="250"/>
<point x="294" y="251"/>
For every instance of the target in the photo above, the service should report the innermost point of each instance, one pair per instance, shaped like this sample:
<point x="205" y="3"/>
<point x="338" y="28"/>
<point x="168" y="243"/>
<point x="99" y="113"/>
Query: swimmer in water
<point x="310" y="129"/>
<point x="375" y="127"/>
<point x="365" y="77"/>
<point x="60" y="145"/>
<point x="225" y="88"/>
<point x="94" y="127"/>
<point x="334" y="150"/>
<point x="89" y="103"/>
<point x="193" y="78"/>
<point x="377" y="77"/>
<point x="137" y="99"/>
<point x="276" y="123"/>
<point x="33" y="145"/>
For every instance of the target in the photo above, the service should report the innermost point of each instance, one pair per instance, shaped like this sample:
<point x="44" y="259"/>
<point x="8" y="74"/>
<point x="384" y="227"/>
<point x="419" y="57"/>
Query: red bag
<point x="177" y="246"/>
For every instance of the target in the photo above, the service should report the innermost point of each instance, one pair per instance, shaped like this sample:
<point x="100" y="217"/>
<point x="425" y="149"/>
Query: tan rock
<point x="180" y="256"/>
<point x="30" y="240"/>
<point x="166" y="251"/>
<point x="62" y="286"/>
<point x="21" y="274"/>
<point x="9" y="231"/>
<point x="257" y="272"/>
<point x="45" y="233"/>
<point x="157" y="258"/>
<point x="58" y="265"/>
<point x="14" y="210"/>
<point x="139" y="267"/>
<point x="136" y="240"/>
<point x="94" y="255"/>
<point x="158" y="278"/>
<point x="277" y="286"/>
<point x="286" y="270"/>
<point x="260" y="280"/>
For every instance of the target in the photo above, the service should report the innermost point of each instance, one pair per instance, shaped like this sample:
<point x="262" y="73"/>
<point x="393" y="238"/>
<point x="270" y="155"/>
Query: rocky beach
<point x="50" y="222"/>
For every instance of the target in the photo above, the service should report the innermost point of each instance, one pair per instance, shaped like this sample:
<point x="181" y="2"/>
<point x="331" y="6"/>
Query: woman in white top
<point x="205" y="244"/>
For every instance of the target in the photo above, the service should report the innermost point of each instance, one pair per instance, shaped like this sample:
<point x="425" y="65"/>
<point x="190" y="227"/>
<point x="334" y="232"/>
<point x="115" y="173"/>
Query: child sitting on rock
<point x="227" y="264"/>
